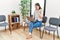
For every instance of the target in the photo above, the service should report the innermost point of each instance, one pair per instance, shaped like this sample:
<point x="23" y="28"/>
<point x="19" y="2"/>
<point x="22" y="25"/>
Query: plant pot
<point x="13" y="12"/>
<point x="24" y="19"/>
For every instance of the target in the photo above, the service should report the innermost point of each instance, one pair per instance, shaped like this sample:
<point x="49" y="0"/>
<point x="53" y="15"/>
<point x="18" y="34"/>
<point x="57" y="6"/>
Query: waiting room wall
<point x="53" y="9"/>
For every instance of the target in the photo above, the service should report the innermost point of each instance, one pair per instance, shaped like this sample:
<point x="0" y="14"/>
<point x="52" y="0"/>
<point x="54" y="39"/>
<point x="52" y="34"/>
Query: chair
<point x="59" y="21"/>
<point x="44" y="22"/>
<point x="2" y="21"/>
<point x="54" y="22"/>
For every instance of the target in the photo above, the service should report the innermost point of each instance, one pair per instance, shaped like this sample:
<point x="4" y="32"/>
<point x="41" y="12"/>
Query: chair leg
<point x="57" y="34"/>
<point x="40" y="32"/>
<point x="46" y="32"/>
<point x="43" y="32"/>
<point x="5" y="28"/>
<point x="24" y="28"/>
<point x="54" y="35"/>
<point x="49" y="33"/>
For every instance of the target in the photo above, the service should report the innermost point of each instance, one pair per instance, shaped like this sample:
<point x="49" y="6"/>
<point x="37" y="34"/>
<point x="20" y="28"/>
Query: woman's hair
<point x="37" y="4"/>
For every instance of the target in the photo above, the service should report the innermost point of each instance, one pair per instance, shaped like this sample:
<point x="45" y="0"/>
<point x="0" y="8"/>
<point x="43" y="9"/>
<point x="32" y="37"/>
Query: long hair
<point x="37" y="4"/>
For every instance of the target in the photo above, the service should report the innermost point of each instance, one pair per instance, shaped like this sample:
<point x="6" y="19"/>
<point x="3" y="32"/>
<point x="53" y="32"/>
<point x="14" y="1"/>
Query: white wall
<point x="41" y="2"/>
<point x="53" y="9"/>
<point x="6" y="6"/>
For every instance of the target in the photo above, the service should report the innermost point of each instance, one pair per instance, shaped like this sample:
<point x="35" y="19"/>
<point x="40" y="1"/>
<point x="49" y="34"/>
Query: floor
<point x="19" y="34"/>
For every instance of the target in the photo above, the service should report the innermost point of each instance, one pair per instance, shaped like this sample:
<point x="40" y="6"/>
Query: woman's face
<point x="36" y="7"/>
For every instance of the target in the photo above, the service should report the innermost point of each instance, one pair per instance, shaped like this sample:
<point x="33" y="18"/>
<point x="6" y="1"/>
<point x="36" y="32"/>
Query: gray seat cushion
<point x="50" y="28"/>
<point x="4" y="24"/>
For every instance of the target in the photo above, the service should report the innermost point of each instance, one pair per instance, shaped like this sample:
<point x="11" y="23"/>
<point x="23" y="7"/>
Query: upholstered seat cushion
<point x="49" y="28"/>
<point x="4" y="24"/>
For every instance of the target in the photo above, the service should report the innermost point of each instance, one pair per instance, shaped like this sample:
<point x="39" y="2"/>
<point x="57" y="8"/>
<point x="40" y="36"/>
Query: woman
<point x="38" y="20"/>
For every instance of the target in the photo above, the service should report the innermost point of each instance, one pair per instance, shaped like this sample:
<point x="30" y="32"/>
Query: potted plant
<point x="25" y="8"/>
<point x="13" y="12"/>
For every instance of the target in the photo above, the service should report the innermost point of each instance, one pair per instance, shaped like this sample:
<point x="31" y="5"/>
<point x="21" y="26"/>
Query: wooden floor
<point x="19" y="34"/>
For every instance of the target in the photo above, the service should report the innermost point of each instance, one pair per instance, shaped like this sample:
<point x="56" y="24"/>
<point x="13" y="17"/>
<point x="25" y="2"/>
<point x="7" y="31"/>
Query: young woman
<point x="38" y="20"/>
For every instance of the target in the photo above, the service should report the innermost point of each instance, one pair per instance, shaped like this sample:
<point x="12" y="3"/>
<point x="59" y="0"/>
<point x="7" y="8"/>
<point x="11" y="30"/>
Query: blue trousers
<point x="34" y="25"/>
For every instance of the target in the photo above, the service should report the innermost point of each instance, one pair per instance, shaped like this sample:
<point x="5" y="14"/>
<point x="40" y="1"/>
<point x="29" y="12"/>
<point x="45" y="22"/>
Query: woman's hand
<point x="40" y="14"/>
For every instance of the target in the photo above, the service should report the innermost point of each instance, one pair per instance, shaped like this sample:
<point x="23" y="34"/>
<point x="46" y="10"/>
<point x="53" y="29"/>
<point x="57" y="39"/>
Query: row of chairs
<point x="52" y="22"/>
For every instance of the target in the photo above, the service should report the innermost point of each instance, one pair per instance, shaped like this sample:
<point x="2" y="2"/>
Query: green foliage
<point x="25" y="7"/>
<point x="13" y="12"/>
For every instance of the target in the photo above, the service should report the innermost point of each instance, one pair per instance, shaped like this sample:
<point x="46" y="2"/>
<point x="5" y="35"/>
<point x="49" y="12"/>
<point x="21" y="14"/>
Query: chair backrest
<point x="54" y="21"/>
<point x="59" y="21"/>
<point x="2" y="18"/>
<point x="44" y="19"/>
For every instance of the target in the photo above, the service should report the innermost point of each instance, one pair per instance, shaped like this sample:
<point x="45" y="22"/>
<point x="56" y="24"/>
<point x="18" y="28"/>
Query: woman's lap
<point x="34" y="25"/>
<point x="37" y="24"/>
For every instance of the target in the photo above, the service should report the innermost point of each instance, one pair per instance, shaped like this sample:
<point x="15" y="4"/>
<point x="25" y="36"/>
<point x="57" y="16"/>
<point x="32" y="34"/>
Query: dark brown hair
<point x="37" y="4"/>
